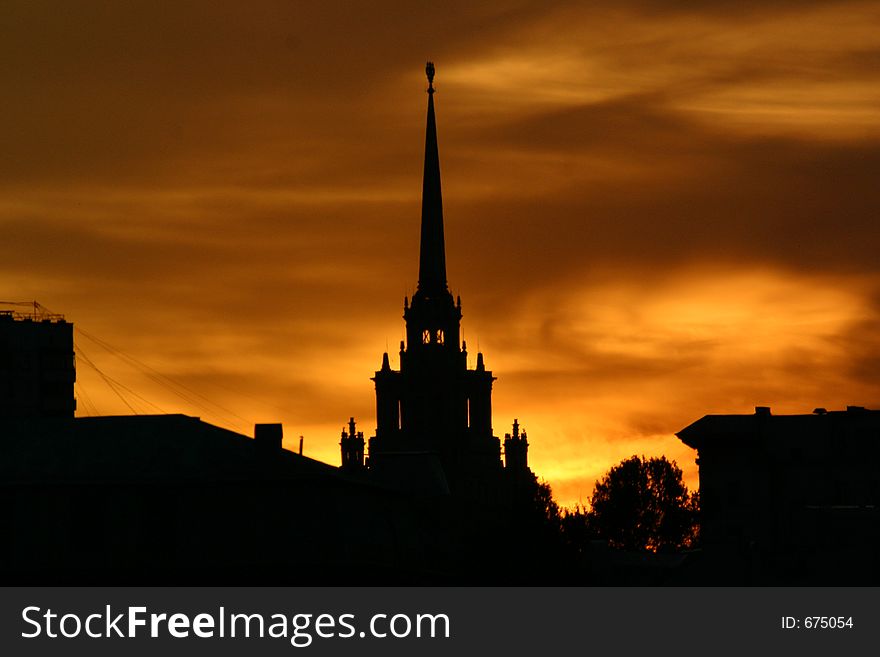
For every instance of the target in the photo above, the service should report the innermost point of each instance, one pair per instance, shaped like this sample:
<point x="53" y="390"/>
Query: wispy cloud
<point x="654" y="209"/>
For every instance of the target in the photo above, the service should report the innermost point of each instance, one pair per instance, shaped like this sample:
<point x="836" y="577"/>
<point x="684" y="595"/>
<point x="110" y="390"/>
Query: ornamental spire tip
<point x="429" y="71"/>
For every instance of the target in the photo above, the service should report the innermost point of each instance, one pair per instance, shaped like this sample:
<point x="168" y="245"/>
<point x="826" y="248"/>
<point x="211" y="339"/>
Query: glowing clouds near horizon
<point x="595" y="374"/>
<point x="615" y="370"/>
<point x="653" y="211"/>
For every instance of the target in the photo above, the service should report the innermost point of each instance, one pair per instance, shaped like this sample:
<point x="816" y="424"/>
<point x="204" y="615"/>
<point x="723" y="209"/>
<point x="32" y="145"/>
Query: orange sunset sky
<point x="654" y="210"/>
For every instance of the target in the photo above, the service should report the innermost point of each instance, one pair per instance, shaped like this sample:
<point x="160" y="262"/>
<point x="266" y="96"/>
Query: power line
<point x="178" y="388"/>
<point x="106" y="378"/>
<point x="87" y="403"/>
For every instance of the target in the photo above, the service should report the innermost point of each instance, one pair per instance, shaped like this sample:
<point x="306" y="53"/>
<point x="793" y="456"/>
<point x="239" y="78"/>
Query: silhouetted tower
<point x="434" y="404"/>
<point x="37" y="366"/>
<point x="516" y="450"/>
<point x="352" y="446"/>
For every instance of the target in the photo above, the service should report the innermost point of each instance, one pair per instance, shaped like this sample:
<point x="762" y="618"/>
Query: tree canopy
<point x="644" y="504"/>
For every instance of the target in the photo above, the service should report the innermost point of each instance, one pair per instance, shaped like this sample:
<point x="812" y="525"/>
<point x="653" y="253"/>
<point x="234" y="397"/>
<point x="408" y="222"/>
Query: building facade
<point x="37" y="368"/>
<point x="790" y="498"/>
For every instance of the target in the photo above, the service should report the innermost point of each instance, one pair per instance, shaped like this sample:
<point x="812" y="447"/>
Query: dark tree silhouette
<point x="574" y="525"/>
<point x="544" y="506"/>
<point x="643" y="504"/>
<point x="537" y="517"/>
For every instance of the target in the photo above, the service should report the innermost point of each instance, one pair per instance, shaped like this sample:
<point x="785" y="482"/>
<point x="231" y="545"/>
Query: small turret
<point x="516" y="450"/>
<point x="352" y="446"/>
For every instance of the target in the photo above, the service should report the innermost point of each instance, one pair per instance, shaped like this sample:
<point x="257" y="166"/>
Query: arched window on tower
<point x="430" y="336"/>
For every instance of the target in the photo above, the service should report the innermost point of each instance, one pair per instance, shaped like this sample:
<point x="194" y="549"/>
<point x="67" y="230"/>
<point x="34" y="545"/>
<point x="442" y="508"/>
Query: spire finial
<point x="429" y="71"/>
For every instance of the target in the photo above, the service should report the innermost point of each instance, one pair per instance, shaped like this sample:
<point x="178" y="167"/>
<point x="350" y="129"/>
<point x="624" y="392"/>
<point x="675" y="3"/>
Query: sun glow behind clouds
<point x="622" y="367"/>
<point x="594" y="375"/>
<point x="237" y="203"/>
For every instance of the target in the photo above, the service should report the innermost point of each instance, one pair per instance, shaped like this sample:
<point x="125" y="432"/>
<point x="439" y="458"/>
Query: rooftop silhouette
<point x="431" y="497"/>
<point x="173" y="499"/>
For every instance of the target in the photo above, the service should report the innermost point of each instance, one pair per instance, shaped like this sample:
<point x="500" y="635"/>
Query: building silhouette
<point x="789" y="499"/>
<point x="434" y="415"/>
<point x="37" y="368"/>
<point x="170" y="499"/>
<point x="429" y="498"/>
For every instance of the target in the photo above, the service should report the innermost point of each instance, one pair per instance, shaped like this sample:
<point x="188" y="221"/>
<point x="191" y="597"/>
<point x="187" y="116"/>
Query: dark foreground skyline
<point x="433" y="496"/>
<point x="652" y="212"/>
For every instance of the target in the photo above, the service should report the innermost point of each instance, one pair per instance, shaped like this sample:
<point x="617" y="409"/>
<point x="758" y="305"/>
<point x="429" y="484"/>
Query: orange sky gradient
<point x="653" y="211"/>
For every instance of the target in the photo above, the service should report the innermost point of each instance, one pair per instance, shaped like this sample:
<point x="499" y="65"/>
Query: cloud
<point x="654" y="210"/>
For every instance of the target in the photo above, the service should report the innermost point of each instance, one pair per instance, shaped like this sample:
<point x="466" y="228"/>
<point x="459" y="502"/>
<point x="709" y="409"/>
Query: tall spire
<point x="432" y="257"/>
